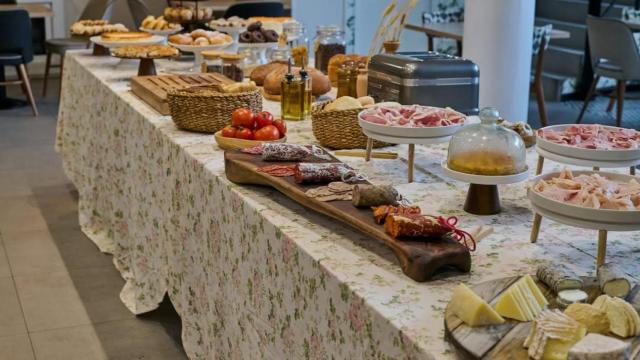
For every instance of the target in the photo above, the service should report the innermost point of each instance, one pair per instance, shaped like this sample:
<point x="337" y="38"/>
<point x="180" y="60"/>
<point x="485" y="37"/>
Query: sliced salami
<point x="278" y="170"/>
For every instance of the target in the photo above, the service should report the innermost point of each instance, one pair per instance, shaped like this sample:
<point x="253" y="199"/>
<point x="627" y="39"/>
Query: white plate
<point x="602" y="216"/>
<point x="586" y="154"/>
<point x="484" y="179"/>
<point x="199" y="48"/>
<point x="266" y="45"/>
<point x="228" y="29"/>
<point x="154" y="39"/>
<point x="408" y="132"/>
<point x="582" y="162"/>
<point x="162" y="32"/>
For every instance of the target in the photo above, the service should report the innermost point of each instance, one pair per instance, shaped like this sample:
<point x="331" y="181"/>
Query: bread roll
<point x="337" y="60"/>
<point x="186" y="14"/>
<point x="181" y="39"/>
<point x="198" y="33"/>
<point x="366" y="100"/>
<point x="343" y="103"/>
<point x="260" y="72"/>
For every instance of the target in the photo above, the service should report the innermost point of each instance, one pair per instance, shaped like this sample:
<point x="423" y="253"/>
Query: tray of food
<point x="424" y="244"/>
<point x="88" y="28"/>
<point x="258" y="36"/>
<point x="411" y="121"/>
<point x="200" y="40"/>
<point x="231" y="25"/>
<point x="590" y="142"/>
<point x="119" y="39"/>
<point x="555" y="315"/>
<point x="188" y="14"/>
<point x="159" y="26"/>
<point x="145" y="52"/>
<point x="592" y="197"/>
<point x="248" y="129"/>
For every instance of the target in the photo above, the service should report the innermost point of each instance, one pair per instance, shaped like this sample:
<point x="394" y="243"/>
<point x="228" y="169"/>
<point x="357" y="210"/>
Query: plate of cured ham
<point x="411" y="121"/>
<point x="598" y="197"/>
<point x="590" y="142"/>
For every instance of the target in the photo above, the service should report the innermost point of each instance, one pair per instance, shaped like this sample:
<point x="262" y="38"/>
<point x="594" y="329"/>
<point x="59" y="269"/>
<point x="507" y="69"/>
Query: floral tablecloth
<point x="253" y="274"/>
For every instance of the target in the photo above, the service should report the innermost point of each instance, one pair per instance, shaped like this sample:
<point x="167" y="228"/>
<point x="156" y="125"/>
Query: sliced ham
<point x="416" y="116"/>
<point x="594" y="137"/>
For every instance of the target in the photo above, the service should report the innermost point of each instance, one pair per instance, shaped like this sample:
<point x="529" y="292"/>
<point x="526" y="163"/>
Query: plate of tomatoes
<point x="249" y="129"/>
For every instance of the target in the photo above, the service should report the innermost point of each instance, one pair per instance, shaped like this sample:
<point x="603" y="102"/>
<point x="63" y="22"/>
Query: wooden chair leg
<point x="587" y="99"/>
<point x="542" y="108"/>
<point x="612" y="101"/>
<point x="620" y="95"/>
<point x="47" y="67"/>
<point x="429" y="43"/>
<point x="26" y="85"/>
<point x="459" y="46"/>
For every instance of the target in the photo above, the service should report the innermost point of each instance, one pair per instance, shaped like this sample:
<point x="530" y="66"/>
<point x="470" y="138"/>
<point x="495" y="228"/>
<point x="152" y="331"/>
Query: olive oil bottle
<point x="296" y="95"/>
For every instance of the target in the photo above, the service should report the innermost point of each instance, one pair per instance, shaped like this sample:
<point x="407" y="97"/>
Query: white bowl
<point x="408" y="132"/>
<point x="620" y="217"/>
<point x="586" y="154"/>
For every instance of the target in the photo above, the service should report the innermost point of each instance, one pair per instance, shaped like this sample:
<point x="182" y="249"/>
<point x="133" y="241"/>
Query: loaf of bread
<point x="319" y="82"/>
<point x="337" y="60"/>
<point x="260" y="72"/>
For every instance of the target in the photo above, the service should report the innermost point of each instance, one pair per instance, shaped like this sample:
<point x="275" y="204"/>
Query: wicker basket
<point x="204" y="109"/>
<point x="339" y="129"/>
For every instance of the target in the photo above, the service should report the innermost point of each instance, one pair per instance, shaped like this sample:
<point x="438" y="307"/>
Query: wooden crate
<point x="153" y="89"/>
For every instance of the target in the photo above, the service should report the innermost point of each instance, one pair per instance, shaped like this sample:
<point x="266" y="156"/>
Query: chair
<point x="617" y="59"/>
<point x="16" y="49"/>
<point x="442" y="17"/>
<point x="139" y="10"/>
<point x="541" y="38"/>
<point x="629" y="14"/>
<point x="247" y="10"/>
<point x="95" y="9"/>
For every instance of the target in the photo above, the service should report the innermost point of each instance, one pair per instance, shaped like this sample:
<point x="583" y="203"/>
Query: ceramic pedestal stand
<point x="587" y="218"/>
<point x="483" y="197"/>
<point x="99" y="50"/>
<point x="402" y="140"/>
<point x="197" y="53"/>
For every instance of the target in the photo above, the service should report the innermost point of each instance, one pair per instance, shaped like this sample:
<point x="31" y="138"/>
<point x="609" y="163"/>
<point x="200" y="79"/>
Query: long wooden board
<point x="419" y="260"/>
<point x="153" y="89"/>
<point x="505" y="341"/>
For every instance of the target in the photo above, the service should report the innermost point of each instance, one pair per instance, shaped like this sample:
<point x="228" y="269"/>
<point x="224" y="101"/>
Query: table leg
<point x="632" y="171"/>
<point x="369" y="149"/>
<point x="535" y="229"/>
<point x="596" y="168"/>
<point x="602" y="248"/>
<point x="540" y="165"/>
<point x="412" y="149"/>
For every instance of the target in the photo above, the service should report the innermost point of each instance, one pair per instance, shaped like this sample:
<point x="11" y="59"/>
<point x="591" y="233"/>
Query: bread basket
<point x="205" y="109"/>
<point x="339" y="129"/>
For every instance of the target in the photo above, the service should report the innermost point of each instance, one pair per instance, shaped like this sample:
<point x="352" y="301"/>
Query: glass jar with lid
<point x="298" y="42"/>
<point x="232" y="66"/>
<point x="281" y="53"/>
<point x="212" y="61"/>
<point x="348" y="79"/>
<point x="329" y="41"/>
<point x="487" y="148"/>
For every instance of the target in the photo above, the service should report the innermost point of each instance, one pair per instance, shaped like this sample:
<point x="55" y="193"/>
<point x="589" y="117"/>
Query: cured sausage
<point x="320" y="172"/>
<point x="372" y="195"/>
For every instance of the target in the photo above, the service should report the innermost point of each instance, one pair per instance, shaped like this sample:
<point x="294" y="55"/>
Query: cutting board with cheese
<point x="544" y="329"/>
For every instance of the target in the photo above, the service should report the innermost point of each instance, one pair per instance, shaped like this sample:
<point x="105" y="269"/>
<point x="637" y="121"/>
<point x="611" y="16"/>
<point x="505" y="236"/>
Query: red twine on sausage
<point x="460" y="236"/>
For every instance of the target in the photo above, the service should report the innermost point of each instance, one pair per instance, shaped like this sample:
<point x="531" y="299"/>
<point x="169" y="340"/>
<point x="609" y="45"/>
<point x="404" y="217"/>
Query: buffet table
<point x="253" y="274"/>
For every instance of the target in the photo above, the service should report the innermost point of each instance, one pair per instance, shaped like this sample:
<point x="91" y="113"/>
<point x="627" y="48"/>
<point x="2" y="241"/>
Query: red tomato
<point x="245" y="133"/>
<point x="267" y="133"/>
<point x="229" y="131"/>
<point x="242" y="117"/>
<point x="263" y="119"/>
<point x="282" y="126"/>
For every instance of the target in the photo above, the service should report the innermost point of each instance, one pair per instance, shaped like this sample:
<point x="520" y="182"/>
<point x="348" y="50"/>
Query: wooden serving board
<point x="505" y="341"/>
<point x="153" y="89"/>
<point x="419" y="260"/>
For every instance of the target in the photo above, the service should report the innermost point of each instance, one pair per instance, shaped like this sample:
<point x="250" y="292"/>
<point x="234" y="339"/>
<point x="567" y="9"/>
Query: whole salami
<point x="320" y="172"/>
<point x="292" y="152"/>
<point x="372" y="195"/>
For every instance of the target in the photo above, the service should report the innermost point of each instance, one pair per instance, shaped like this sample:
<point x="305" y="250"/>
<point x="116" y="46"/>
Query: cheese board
<point x="506" y="340"/>
<point x="420" y="260"/>
<point x="153" y="89"/>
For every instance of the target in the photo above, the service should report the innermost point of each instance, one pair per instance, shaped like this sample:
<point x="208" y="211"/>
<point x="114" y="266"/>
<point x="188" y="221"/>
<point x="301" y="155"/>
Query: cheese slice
<point x="599" y="347"/>
<point x="522" y="301"/>
<point x="552" y="335"/>
<point x="622" y="316"/>
<point x="471" y="309"/>
<point x="632" y="316"/>
<point x="596" y="320"/>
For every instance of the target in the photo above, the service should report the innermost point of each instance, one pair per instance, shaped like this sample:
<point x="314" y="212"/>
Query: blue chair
<point x="16" y="49"/>
<point x="247" y="10"/>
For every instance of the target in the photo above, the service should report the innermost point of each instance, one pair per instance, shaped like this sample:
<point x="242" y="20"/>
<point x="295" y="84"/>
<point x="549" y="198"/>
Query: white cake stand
<point x="597" y="219"/>
<point x="483" y="197"/>
<point x="197" y="52"/>
<point x="401" y="140"/>
<point x="233" y="31"/>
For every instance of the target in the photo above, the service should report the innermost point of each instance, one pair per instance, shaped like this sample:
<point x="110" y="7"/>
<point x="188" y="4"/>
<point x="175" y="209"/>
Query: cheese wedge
<point x="471" y="309"/>
<point x="522" y="301"/>
<point x="600" y="347"/>
<point x="552" y="335"/>
<point x="596" y="320"/>
<point x="622" y="320"/>
<point x="632" y="316"/>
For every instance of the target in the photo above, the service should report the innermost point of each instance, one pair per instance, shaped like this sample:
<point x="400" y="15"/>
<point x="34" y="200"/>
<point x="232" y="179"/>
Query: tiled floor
<point x="59" y="296"/>
<point x="58" y="293"/>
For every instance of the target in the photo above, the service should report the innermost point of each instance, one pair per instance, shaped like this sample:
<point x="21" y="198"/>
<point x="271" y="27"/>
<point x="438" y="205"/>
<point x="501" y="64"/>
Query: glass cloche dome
<point x="487" y="148"/>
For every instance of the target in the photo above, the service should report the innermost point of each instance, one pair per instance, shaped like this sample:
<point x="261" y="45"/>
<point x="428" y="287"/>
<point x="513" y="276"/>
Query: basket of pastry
<point x="87" y="28"/>
<point x="208" y="108"/>
<point x="270" y="76"/>
<point x="335" y="123"/>
<point x="188" y="14"/>
<point x="145" y="52"/>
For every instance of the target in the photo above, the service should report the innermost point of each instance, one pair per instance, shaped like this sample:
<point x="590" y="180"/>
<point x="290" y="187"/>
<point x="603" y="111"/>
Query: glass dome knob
<point x="489" y="115"/>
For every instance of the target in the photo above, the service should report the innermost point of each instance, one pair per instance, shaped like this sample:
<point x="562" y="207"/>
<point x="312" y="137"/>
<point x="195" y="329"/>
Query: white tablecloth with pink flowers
<point x="254" y="275"/>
